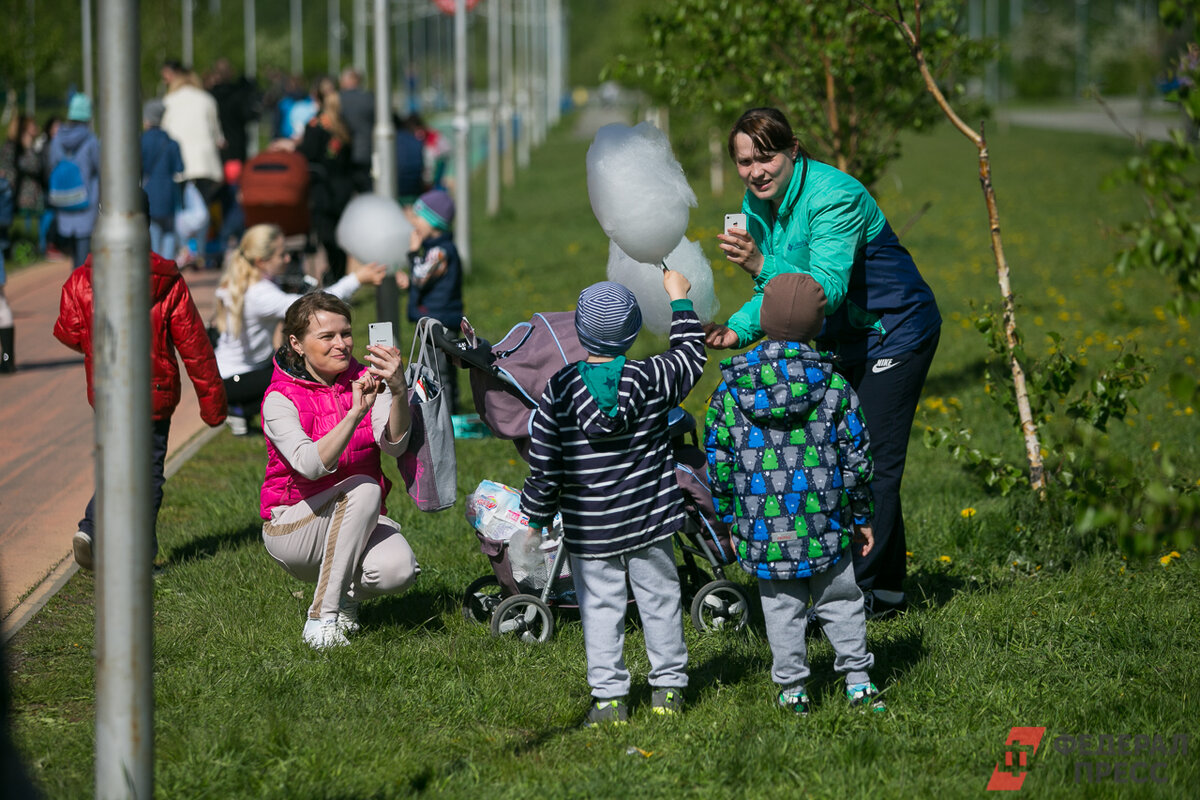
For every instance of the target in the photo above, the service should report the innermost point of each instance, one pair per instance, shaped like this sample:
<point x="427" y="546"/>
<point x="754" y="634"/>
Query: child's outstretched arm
<point x="677" y="370"/>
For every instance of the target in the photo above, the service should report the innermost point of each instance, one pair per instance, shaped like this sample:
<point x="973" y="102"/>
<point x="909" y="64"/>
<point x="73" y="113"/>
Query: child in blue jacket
<point x="790" y="470"/>
<point x="434" y="277"/>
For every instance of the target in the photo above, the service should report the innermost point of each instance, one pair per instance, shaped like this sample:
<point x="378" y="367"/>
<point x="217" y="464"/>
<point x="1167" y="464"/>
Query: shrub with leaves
<point x="1106" y="490"/>
<point x="1167" y="240"/>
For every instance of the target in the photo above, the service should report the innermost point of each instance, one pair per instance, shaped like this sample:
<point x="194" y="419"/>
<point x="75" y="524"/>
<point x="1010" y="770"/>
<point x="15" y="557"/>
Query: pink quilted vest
<point x="321" y="408"/>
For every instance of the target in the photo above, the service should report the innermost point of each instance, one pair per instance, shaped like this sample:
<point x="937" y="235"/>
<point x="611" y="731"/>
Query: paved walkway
<point x="46" y="428"/>
<point x="1125" y="116"/>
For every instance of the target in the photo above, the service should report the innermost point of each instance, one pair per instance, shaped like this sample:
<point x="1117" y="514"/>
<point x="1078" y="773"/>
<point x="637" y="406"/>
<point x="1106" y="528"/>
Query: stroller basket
<point x="528" y="569"/>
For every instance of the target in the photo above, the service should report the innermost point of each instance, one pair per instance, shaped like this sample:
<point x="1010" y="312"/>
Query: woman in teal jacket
<point x="882" y="321"/>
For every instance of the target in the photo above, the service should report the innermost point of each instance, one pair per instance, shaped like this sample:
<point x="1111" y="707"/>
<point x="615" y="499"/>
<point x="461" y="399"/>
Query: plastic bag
<point x="527" y="559"/>
<point x="494" y="510"/>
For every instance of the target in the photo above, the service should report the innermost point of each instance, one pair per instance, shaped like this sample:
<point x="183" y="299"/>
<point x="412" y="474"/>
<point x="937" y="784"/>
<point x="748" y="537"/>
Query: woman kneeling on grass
<point x="326" y="418"/>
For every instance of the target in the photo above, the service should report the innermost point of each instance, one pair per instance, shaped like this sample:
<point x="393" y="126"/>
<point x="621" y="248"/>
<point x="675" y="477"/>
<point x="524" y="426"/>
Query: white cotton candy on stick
<point x="638" y="190"/>
<point x="646" y="283"/>
<point x="374" y="229"/>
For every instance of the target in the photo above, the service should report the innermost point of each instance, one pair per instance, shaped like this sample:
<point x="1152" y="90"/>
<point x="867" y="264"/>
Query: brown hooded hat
<point x="793" y="308"/>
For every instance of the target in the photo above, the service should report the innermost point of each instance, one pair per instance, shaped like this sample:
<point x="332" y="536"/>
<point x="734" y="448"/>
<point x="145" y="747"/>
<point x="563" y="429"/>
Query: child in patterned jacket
<point x="790" y="469"/>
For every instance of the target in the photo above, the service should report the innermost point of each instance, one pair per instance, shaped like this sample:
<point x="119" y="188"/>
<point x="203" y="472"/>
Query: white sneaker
<point x="320" y="634"/>
<point x="81" y="546"/>
<point x="347" y="618"/>
<point x="237" y="425"/>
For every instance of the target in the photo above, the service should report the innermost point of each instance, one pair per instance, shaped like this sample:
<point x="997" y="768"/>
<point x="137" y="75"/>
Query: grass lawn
<point x="1019" y="621"/>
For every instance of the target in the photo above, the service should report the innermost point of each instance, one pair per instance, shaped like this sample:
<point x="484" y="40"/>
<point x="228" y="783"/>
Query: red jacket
<point x="174" y="324"/>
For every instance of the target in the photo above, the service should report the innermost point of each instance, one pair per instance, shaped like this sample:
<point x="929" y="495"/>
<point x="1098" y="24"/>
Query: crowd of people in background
<point x="195" y="145"/>
<point x="208" y="117"/>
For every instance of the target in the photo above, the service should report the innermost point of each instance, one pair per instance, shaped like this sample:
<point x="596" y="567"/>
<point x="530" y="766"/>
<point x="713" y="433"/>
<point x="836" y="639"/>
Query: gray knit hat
<point x="793" y="308"/>
<point x="607" y="319"/>
<point x="153" y="111"/>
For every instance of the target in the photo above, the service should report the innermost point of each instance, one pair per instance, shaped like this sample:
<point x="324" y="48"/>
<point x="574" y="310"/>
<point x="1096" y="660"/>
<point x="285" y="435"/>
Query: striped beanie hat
<point x="607" y="319"/>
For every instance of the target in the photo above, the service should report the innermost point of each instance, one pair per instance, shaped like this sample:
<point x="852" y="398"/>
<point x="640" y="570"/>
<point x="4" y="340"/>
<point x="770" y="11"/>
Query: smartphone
<point x="735" y="221"/>
<point x="380" y="333"/>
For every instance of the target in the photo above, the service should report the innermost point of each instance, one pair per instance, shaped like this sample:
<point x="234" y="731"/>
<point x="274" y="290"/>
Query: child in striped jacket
<point x="600" y="454"/>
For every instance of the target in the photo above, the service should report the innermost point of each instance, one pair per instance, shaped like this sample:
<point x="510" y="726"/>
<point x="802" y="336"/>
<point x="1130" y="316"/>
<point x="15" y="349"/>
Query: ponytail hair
<point x="257" y="243"/>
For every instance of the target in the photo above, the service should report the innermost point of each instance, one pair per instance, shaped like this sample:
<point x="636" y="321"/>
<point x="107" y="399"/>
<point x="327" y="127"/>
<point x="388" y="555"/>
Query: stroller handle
<point x="479" y="357"/>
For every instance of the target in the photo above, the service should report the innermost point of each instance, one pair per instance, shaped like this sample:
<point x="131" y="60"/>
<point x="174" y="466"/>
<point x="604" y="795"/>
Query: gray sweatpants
<point x="839" y="604"/>
<point x="338" y="540"/>
<point x="600" y="588"/>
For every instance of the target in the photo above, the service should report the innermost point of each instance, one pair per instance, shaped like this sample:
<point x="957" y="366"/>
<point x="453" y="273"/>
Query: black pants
<point x="158" y="460"/>
<point x="246" y="390"/>
<point x="888" y="390"/>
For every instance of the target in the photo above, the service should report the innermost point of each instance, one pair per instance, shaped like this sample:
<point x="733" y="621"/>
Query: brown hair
<point x="299" y="318"/>
<point x="768" y="129"/>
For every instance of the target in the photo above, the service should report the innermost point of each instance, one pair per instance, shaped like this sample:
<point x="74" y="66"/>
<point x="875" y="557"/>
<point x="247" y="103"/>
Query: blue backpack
<point x="67" y="191"/>
<point x="6" y="203"/>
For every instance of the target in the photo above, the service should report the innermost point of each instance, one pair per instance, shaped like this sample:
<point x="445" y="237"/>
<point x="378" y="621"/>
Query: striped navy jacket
<point x="613" y="478"/>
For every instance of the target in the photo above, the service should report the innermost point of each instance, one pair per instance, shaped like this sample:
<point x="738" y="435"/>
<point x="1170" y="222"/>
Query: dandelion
<point x="1169" y="557"/>
<point x="1154" y="447"/>
<point x="908" y="553"/>
<point x="944" y="559"/>
<point x="967" y="513"/>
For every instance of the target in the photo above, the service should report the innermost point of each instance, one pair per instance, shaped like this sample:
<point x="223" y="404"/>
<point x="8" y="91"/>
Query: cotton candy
<point x="638" y="190"/>
<point x="374" y="229"/>
<point x="645" y="281"/>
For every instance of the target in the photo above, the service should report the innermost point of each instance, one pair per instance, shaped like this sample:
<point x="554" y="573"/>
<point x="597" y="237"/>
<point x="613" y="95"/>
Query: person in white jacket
<point x="250" y="305"/>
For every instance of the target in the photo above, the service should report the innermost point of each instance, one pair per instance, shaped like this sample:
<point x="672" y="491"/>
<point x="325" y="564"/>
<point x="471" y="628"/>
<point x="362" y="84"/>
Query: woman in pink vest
<point x="326" y="418"/>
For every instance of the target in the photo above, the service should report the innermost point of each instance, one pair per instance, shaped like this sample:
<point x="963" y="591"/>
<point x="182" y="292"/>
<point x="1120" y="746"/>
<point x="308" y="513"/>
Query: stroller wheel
<point x="481" y="598"/>
<point x="523" y="616"/>
<point x="720" y="605"/>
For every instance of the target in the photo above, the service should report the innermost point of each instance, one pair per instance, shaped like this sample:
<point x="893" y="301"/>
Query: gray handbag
<point x="428" y="467"/>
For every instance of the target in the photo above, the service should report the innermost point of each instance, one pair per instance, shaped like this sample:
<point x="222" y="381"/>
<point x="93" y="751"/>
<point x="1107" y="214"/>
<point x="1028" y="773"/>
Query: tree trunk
<point x="1033" y="450"/>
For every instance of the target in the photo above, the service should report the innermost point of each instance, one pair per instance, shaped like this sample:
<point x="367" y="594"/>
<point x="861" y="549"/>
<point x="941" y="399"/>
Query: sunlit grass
<point x="1018" y="622"/>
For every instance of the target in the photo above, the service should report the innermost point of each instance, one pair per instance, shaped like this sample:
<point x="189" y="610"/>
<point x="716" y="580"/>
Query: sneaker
<point x="320" y="634"/>
<point x="607" y="712"/>
<point x="347" y="618"/>
<point x="81" y="546"/>
<point x="794" y="700"/>
<point x="882" y="604"/>
<point x="865" y="696"/>
<point x="237" y="425"/>
<point x="666" y="701"/>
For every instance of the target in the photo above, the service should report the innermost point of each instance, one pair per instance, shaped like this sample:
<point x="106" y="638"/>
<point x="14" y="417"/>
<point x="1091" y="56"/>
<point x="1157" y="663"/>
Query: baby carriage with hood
<point x="530" y="577"/>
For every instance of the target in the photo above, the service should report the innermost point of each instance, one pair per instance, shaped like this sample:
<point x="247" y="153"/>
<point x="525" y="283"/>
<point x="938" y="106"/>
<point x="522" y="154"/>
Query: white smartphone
<point x="735" y="221"/>
<point x="380" y="333"/>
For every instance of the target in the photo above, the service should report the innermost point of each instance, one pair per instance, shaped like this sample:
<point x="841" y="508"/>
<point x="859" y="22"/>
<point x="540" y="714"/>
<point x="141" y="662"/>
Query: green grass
<point x="1019" y="622"/>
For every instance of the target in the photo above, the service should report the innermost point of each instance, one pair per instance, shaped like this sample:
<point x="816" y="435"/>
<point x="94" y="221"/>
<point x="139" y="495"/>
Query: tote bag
<point x="428" y="467"/>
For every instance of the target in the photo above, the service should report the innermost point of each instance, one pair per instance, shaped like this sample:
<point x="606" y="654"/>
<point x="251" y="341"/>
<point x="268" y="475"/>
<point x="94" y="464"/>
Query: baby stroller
<point x="506" y="381"/>
<point x="274" y="189"/>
